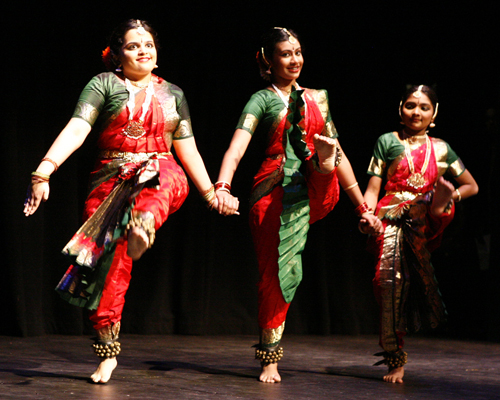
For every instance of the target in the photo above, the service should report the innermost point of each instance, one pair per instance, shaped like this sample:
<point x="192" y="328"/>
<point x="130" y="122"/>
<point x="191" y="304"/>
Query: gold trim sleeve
<point x="376" y="167"/>
<point x="87" y="112"/>
<point x="457" y="168"/>
<point x="184" y="130"/>
<point x="248" y="122"/>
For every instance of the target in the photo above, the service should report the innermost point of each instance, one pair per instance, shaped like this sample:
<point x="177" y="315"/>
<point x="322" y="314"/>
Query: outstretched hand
<point x="226" y="203"/>
<point x="370" y="224"/>
<point x="37" y="192"/>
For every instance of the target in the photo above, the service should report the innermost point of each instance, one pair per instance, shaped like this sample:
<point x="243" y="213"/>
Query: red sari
<point x="288" y="195"/>
<point x="132" y="176"/>
<point x="405" y="285"/>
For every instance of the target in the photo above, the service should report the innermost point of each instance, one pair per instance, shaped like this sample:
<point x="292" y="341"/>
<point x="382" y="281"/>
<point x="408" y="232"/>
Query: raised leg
<point x="327" y="152"/>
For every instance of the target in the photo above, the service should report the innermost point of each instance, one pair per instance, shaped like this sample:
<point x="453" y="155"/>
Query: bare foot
<point x="269" y="373"/>
<point x="442" y="196"/>
<point x="327" y="152"/>
<point x="395" y="375"/>
<point x="104" y="370"/>
<point x="138" y="243"/>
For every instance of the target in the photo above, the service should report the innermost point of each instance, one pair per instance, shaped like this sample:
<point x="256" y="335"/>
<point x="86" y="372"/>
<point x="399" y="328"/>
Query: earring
<point x="432" y="125"/>
<point x="156" y="66"/>
<point x="118" y="69"/>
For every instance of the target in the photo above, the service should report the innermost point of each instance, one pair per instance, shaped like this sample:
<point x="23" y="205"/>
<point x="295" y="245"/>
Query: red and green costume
<point x="133" y="176"/>
<point x="288" y="195"/>
<point x="405" y="285"/>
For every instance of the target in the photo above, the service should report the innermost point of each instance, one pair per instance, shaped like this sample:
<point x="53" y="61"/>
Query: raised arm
<point x="234" y="154"/>
<point x="68" y="141"/>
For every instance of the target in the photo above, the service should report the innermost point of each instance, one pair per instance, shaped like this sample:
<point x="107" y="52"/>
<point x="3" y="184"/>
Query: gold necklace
<point x="416" y="180"/>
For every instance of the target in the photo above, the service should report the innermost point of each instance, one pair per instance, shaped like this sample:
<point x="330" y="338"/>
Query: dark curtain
<point x="201" y="275"/>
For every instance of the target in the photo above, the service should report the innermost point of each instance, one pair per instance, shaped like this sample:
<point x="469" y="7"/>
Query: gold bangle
<point x="459" y="199"/>
<point x="40" y="175"/>
<point x="208" y="195"/>
<point x="351" y="186"/>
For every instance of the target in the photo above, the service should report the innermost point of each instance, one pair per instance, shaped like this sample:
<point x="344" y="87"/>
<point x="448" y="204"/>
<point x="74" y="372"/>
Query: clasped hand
<point x="226" y="203"/>
<point x="370" y="224"/>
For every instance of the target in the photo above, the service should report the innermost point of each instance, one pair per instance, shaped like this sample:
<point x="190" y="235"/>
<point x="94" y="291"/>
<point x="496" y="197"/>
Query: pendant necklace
<point x="135" y="129"/>
<point x="416" y="179"/>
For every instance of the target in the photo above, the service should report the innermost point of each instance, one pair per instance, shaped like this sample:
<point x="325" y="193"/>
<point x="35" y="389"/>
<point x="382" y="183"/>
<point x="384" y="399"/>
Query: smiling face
<point x="287" y="62"/>
<point x="417" y="113"/>
<point x="138" y="54"/>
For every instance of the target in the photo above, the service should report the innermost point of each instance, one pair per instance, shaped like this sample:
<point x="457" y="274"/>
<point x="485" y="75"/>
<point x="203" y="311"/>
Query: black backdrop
<point x="200" y="276"/>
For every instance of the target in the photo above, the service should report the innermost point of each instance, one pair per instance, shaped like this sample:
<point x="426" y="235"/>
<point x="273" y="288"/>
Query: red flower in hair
<point x="107" y="58"/>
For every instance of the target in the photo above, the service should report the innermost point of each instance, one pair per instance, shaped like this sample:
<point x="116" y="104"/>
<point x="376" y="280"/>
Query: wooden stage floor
<point x="222" y="367"/>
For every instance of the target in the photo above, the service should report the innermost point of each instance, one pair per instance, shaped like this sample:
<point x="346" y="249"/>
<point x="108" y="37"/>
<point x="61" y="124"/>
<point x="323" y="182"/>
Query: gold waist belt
<point x="132" y="157"/>
<point x="404" y="194"/>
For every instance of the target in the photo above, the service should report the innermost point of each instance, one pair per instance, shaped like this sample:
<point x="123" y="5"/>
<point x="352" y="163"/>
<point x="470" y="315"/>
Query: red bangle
<point x="221" y="185"/>
<point x="363" y="208"/>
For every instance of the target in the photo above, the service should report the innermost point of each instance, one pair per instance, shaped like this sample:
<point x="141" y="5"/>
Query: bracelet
<point x="351" y="186"/>
<point x="362" y="208"/>
<point x="209" y="196"/>
<point x="40" y="175"/>
<point x="35" y="180"/>
<point x="221" y="185"/>
<point x="459" y="199"/>
<point x="56" y="167"/>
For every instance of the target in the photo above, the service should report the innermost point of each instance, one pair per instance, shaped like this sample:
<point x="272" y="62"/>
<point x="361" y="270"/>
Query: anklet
<point x="106" y="344"/>
<point x="268" y="356"/>
<point x="393" y="360"/>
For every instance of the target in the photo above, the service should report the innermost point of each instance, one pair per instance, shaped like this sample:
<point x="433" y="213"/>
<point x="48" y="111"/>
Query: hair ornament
<point x="264" y="65"/>
<point x="140" y="28"/>
<point x="107" y="58"/>
<point x="291" y="38"/>
<point x="418" y="93"/>
<point x="267" y="63"/>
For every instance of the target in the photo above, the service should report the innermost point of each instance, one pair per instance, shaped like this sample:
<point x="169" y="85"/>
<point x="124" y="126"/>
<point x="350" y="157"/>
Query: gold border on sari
<point x="272" y="337"/>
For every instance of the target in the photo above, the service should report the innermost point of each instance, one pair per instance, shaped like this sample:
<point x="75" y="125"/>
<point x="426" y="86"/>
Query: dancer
<point x="136" y="183"/>
<point x="296" y="185"/>
<point x="417" y="206"/>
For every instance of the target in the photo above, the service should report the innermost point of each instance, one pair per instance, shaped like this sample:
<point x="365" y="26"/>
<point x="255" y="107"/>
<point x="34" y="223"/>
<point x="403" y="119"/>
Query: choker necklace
<point x="282" y="96"/>
<point x="135" y="129"/>
<point x="416" y="179"/>
<point x="139" y="85"/>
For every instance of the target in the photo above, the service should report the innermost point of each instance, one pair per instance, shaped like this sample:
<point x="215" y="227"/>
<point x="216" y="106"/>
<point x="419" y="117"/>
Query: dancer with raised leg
<point x="296" y="185"/>
<point x="417" y="206"/>
<point x="136" y="183"/>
